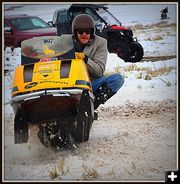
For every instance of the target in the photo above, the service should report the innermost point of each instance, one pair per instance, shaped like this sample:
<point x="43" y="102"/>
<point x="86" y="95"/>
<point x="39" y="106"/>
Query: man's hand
<point x="81" y="55"/>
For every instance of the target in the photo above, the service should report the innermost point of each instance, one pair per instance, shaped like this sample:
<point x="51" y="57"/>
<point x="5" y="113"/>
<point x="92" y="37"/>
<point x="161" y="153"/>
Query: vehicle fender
<point x="115" y="27"/>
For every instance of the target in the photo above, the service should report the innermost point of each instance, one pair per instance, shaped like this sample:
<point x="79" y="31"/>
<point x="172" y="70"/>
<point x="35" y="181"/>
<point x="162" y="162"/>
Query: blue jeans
<point x="114" y="82"/>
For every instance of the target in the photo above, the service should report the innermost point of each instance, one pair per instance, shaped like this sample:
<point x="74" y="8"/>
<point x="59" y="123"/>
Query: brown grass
<point x="145" y="73"/>
<point x="89" y="174"/>
<point x="53" y="173"/>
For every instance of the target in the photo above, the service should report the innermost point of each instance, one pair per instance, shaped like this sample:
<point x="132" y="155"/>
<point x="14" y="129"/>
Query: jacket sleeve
<point x="96" y="64"/>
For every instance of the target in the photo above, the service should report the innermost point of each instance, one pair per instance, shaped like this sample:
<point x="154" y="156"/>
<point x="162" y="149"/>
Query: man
<point x="164" y="13"/>
<point x="95" y="56"/>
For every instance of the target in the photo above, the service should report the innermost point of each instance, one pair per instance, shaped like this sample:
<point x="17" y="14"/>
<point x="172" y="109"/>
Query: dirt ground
<point x="133" y="142"/>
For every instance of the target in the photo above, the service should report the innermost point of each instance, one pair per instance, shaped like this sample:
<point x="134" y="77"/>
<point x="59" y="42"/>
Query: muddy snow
<point x="126" y="143"/>
<point x="135" y="136"/>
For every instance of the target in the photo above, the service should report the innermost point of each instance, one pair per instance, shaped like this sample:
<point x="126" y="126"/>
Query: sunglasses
<point x="86" y="30"/>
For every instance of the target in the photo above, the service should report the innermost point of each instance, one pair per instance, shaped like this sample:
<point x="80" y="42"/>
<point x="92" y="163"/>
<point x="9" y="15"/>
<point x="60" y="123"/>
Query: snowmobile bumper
<point x="38" y="94"/>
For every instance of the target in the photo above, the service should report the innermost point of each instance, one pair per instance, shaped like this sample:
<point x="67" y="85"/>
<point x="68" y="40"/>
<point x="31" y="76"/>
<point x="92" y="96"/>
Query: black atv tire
<point x="137" y="52"/>
<point x="121" y="49"/>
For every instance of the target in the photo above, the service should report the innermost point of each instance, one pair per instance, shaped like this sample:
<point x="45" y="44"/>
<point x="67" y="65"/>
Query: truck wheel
<point x="121" y="49"/>
<point x="137" y="52"/>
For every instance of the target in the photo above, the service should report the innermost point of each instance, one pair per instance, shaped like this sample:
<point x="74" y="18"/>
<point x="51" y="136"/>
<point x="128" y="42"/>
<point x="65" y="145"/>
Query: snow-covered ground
<point x="148" y="14"/>
<point x="140" y="86"/>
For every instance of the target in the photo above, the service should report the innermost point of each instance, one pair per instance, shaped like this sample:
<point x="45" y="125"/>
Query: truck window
<point x="62" y="17"/>
<point x="6" y="27"/>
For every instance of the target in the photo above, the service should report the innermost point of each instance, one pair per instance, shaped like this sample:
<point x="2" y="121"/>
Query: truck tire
<point x="121" y="49"/>
<point x="137" y="52"/>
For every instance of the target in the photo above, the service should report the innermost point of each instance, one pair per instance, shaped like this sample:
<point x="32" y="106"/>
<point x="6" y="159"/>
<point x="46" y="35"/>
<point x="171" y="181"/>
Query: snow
<point x="160" y="88"/>
<point x="138" y="90"/>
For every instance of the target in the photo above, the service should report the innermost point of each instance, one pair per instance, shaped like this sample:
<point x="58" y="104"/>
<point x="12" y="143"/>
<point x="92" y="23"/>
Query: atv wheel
<point x="121" y="49"/>
<point x="137" y="52"/>
<point x="85" y="118"/>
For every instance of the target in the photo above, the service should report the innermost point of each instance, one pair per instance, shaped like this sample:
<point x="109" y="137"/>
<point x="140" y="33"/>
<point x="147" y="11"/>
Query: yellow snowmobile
<point x="52" y="89"/>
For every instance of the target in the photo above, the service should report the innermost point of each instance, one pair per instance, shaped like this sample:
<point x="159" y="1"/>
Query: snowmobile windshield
<point x="47" y="48"/>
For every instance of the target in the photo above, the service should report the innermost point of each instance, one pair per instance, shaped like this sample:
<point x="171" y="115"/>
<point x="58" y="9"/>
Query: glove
<point x="81" y="55"/>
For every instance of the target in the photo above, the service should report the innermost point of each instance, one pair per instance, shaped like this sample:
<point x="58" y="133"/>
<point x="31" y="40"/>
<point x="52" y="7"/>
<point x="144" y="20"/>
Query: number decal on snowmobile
<point x="47" y="40"/>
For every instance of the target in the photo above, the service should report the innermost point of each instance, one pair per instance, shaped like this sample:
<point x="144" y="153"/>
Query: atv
<point x="52" y="90"/>
<point x="119" y="38"/>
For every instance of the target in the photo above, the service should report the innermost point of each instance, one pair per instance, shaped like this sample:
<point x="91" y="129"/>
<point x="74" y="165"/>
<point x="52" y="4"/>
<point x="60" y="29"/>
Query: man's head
<point x="83" y="28"/>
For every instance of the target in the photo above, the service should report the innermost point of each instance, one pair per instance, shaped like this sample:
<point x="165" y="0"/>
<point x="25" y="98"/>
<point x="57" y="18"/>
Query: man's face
<point x="83" y="35"/>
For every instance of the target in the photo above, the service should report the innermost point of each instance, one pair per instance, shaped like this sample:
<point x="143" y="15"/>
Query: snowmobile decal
<point x="55" y="82"/>
<point x="45" y="71"/>
<point x="48" y="51"/>
<point x="32" y="84"/>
